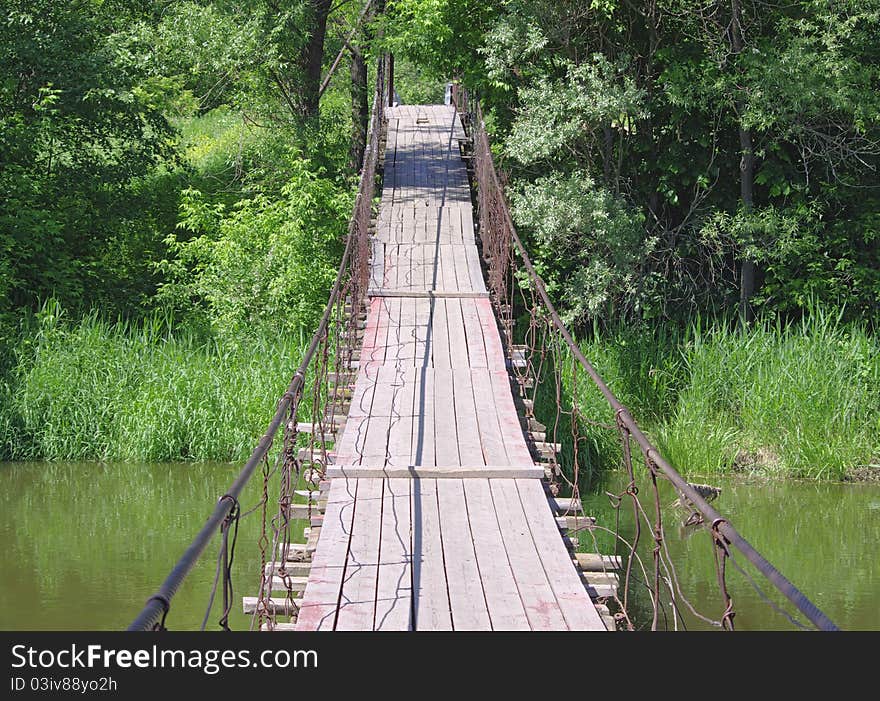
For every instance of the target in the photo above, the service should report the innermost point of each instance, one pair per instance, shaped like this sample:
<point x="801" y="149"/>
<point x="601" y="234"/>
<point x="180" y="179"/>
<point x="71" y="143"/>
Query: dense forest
<point x="697" y="181"/>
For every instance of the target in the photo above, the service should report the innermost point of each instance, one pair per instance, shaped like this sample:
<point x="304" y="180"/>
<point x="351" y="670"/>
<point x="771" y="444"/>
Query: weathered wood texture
<point x="436" y="518"/>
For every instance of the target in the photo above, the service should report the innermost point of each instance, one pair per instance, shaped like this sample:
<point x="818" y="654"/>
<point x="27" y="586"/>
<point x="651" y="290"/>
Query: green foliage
<point x="651" y="101"/>
<point x="198" y="55"/>
<point x="265" y="263"/>
<point x="801" y="400"/>
<point x="76" y="137"/>
<point x="93" y="390"/>
<point x="565" y="115"/>
<point x="594" y="239"/>
<point x="441" y="36"/>
<point x="416" y="86"/>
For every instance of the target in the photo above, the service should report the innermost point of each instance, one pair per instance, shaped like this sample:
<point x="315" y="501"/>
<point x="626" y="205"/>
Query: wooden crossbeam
<point x="437" y="472"/>
<point x="450" y="294"/>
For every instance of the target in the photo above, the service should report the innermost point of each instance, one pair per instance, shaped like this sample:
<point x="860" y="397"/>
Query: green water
<point x="823" y="537"/>
<point x="84" y="545"/>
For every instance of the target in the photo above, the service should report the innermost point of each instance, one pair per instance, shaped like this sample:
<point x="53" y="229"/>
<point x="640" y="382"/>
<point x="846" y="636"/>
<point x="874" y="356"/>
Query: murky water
<point x="825" y="538"/>
<point x="84" y="545"/>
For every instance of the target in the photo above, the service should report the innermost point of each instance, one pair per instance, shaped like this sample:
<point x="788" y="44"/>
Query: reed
<point x="118" y="391"/>
<point x="799" y="400"/>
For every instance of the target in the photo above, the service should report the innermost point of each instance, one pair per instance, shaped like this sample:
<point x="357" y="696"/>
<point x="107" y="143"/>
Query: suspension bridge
<point x="429" y="483"/>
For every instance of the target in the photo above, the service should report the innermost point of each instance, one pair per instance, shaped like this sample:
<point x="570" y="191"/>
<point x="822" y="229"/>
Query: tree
<point x="75" y="134"/>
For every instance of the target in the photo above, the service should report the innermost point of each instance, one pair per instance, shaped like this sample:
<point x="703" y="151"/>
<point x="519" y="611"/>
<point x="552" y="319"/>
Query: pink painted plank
<point x="572" y="597"/>
<point x="508" y="419"/>
<point x="535" y="591"/>
<point x="357" y="603"/>
<point x="491" y="336"/>
<point x="321" y="597"/>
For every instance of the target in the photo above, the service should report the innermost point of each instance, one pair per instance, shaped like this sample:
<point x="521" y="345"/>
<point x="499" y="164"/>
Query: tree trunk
<point x="313" y="57"/>
<point x="746" y="171"/>
<point x="608" y="154"/>
<point x="746" y="187"/>
<point x="359" y="110"/>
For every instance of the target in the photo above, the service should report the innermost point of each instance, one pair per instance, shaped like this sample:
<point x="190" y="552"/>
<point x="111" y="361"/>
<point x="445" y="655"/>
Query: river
<point x="84" y="545"/>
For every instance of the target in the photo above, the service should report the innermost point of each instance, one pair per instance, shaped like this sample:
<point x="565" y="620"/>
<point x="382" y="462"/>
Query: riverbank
<point x="801" y="401"/>
<point x="95" y="390"/>
<point x="797" y="401"/>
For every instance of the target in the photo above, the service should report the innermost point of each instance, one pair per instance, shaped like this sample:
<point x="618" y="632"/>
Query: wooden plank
<point x="475" y="271"/>
<point x="395" y="335"/>
<point x="288" y="583"/>
<point x="374" y="354"/>
<point x="467" y="225"/>
<point x="430" y="604"/>
<point x="455" y="330"/>
<point x="394" y="584"/>
<point x="462" y="273"/>
<point x="446" y="276"/>
<point x="504" y="605"/>
<point x="294" y="569"/>
<point x="439" y="337"/>
<point x="476" y="346"/>
<point x="422" y="449"/>
<point x="511" y="430"/>
<point x="321" y="597"/>
<point x="370" y="341"/>
<point x="466" y="599"/>
<point x="358" y="600"/>
<point x="594" y="562"/>
<point x="375" y="445"/>
<point x="400" y="428"/>
<point x="573" y="600"/>
<point x="491" y="337"/>
<point x="350" y="445"/>
<point x="436" y="472"/>
<point x="377" y="264"/>
<point x="467" y="427"/>
<point x="275" y="605"/>
<point x="445" y="431"/>
<point x="535" y="591"/>
<point x="491" y="437"/>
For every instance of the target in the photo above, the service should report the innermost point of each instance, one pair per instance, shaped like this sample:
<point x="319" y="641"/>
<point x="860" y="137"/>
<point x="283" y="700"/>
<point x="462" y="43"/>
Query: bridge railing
<point x="331" y="346"/>
<point x="546" y="350"/>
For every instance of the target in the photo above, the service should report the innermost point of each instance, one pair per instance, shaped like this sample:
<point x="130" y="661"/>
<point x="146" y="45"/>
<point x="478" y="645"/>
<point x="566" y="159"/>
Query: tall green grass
<point x="801" y="400"/>
<point x="115" y="391"/>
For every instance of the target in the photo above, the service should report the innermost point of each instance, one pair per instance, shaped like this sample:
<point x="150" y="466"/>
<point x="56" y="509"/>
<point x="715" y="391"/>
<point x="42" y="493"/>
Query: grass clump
<point x="799" y="400"/>
<point x="117" y="391"/>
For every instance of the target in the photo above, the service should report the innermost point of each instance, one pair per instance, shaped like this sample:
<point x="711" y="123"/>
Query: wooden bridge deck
<point x="436" y="517"/>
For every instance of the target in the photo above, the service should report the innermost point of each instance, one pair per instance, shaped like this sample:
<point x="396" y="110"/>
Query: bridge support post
<point x="391" y="80"/>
